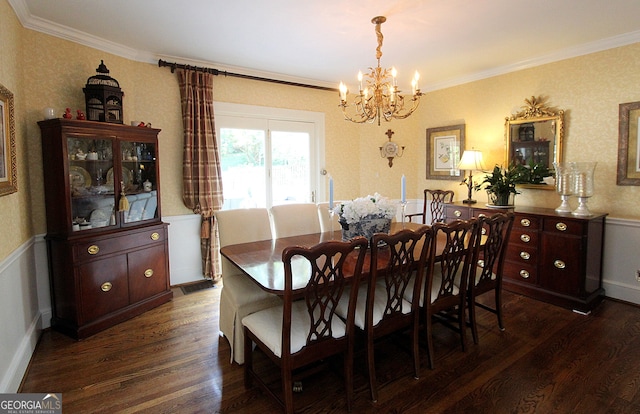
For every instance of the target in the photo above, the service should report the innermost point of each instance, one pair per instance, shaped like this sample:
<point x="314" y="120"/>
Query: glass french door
<point x="266" y="162"/>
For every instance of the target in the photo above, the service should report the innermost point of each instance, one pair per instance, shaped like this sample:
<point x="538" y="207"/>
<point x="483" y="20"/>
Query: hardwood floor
<point x="171" y="360"/>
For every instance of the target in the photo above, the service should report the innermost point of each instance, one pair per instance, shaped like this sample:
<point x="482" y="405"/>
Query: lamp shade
<point x="471" y="161"/>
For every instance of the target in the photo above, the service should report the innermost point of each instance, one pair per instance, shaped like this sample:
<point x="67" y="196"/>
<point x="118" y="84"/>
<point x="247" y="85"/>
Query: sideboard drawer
<point x="523" y="272"/>
<point x="453" y="212"/>
<point x="526" y="221"/>
<point x="561" y="227"/>
<point x="522" y="254"/>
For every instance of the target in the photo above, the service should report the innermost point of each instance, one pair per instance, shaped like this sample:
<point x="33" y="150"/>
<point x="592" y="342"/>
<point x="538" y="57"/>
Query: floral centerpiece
<point x="365" y="216"/>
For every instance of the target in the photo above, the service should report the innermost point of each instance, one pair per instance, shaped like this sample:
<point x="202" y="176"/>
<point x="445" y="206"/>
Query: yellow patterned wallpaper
<point x="589" y="88"/>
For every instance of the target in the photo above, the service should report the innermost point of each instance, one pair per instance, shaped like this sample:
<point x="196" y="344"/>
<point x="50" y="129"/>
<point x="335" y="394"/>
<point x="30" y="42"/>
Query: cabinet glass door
<point x="91" y="182"/>
<point x="139" y="180"/>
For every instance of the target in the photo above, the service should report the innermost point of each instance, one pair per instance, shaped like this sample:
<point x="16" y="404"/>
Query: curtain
<point x="201" y="175"/>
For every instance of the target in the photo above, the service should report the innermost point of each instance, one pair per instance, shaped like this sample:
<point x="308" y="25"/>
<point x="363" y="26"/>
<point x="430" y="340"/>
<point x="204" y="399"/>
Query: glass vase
<point x="583" y="186"/>
<point x="564" y="184"/>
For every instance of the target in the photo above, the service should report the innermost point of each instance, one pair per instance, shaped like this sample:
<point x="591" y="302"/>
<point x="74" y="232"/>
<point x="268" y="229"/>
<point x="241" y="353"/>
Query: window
<point x="269" y="156"/>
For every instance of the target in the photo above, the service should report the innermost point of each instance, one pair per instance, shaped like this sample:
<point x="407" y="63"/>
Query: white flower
<point x="374" y="206"/>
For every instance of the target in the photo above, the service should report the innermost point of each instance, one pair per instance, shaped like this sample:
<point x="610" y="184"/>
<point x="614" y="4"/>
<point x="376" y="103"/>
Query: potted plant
<point x="500" y="184"/>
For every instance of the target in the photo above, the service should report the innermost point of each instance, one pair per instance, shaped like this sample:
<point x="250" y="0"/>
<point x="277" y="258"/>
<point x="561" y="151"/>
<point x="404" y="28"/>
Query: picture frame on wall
<point x="629" y="144"/>
<point x="444" y="149"/>
<point x="8" y="176"/>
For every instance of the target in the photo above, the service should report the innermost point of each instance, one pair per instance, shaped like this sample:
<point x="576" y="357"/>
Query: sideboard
<point x="553" y="257"/>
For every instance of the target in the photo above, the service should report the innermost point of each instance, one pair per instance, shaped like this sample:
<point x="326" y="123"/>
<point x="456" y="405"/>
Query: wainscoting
<point x="25" y="306"/>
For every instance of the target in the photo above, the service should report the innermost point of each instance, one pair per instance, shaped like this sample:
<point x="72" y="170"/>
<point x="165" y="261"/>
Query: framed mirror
<point x="534" y="142"/>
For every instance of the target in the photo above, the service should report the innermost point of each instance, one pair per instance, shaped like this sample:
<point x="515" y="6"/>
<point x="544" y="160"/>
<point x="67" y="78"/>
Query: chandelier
<point x="379" y="98"/>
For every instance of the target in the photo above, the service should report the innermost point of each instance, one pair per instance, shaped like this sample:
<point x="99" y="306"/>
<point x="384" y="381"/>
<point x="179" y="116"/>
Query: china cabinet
<point x="107" y="245"/>
<point x="553" y="257"/>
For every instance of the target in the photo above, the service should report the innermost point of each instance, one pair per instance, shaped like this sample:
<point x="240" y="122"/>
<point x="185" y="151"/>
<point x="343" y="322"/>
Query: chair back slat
<point x="491" y="253"/>
<point x="405" y="252"/>
<point x="326" y="285"/>
<point x="436" y="205"/>
<point x="456" y="256"/>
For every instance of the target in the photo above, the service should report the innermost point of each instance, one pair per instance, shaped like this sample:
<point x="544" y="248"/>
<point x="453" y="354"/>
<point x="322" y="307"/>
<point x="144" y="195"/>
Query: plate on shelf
<point x="127" y="177"/>
<point x="79" y="177"/>
<point x="98" y="218"/>
<point x="494" y="206"/>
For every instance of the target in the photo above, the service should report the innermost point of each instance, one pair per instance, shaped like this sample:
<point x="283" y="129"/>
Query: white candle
<point x="403" y="183"/>
<point x="330" y="192"/>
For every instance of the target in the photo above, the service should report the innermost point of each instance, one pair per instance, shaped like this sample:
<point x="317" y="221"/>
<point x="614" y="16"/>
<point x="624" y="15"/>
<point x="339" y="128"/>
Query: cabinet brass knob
<point x="525" y="238"/>
<point x="482" y="215"/>
<point x="524" y="274"/>
<point x="525" y="255"/>
<point x="148" y="273"/>
<point x="561" y="226"/>
<point x="481" y="263"/>
<point x="93" y="249"/>
<point x="106" y="286"/>
<point x="457" y="213"/>
<point x="525" y="222"/>
<point x="155" y="236"/>
<point x="559" y="264"/>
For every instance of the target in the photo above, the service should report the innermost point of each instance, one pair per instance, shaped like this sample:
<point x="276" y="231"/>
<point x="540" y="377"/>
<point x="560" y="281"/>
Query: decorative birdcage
<point x="103" y="97"/>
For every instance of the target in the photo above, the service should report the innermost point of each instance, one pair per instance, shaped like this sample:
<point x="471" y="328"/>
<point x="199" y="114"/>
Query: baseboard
<point x="12" y="378"/>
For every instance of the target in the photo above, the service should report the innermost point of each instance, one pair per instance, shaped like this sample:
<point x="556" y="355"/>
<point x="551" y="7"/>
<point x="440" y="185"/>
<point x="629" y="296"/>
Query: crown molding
<point x="568" y="53"/>
<point x="44" y="26"/>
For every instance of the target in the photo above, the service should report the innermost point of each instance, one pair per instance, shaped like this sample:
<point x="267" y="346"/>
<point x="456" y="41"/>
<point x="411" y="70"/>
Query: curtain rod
<point x="216" y="72"/>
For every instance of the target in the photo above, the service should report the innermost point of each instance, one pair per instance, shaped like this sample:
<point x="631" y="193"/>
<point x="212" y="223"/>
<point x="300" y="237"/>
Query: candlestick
<point x="403" y="183"/>
<point x="330" y="193"/>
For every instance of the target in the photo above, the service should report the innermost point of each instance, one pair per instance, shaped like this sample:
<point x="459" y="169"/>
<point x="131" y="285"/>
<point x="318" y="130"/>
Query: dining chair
<point x="443" y="296"/>
<point x="240" y="296"/>
<point x="300" y="332"/>
<point x="435" y="200"/>
<point x="294" y="219"/>
<point x="486" y="276"/>
<point x="397" y="266"/>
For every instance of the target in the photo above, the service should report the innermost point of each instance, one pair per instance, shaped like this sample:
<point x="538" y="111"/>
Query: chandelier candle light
<point x="380" y="98"/>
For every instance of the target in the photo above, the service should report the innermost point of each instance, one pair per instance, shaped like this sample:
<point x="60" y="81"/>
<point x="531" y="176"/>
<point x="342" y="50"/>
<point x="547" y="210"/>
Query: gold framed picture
<point x="629" y="144"/>
<point x="8" y="176"/>
<point x="444" y="149"/>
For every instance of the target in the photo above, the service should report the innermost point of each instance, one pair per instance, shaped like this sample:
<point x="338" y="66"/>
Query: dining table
<point x="262" y="262"/>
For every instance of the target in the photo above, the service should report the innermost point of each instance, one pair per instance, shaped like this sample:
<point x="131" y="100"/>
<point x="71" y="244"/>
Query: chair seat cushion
<point x="380" y="303"/>
<point x="435" y="288"/>
<point x="266" y="325"/>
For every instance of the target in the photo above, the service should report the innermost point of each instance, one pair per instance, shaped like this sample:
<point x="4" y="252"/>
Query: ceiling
<point x="324" y="42"/>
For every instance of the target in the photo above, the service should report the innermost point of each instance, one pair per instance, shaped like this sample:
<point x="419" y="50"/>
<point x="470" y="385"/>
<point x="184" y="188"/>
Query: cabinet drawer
<point x="526" y="221"/>
<point x="524" y="237"/>
<point x="563" y="227"/>
<point x="147" y="273"/>
<point x="522" y="254"/>
<point x="456" y="213"/>
<point x="523" y="272"/>
<point x="103" y="287"/>
<point x="103" y="246"/>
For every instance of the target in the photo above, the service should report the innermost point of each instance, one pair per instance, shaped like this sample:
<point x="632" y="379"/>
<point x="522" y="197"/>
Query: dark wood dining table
<point x="262" y="262"/>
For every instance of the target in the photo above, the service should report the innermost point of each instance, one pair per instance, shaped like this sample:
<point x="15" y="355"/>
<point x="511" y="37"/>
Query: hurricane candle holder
<point x="564" y="185"/>
<point x="583" y="186"/>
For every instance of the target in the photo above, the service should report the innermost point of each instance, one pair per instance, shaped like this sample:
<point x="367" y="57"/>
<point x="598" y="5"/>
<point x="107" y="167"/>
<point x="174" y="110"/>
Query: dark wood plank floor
<point x="171" y="360"/>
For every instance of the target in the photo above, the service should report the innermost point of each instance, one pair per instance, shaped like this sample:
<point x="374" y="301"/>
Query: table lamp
<point x="471" y="161"/>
